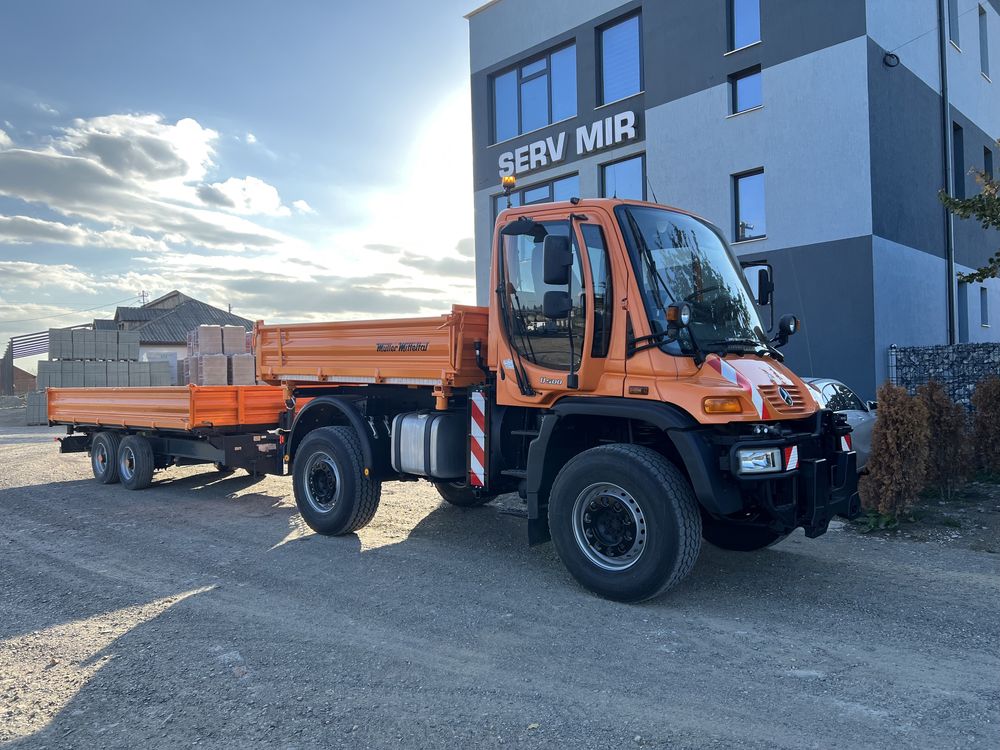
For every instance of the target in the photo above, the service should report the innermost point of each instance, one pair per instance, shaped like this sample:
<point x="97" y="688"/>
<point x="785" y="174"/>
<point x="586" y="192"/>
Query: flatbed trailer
<point x="620" y="381"/>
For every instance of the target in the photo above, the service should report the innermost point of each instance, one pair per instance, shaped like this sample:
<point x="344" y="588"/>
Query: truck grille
<point x="774" y="400"/>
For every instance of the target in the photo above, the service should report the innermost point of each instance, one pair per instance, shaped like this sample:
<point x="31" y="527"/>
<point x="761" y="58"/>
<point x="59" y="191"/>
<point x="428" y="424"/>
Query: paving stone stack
<point x="37" y="412"/>
<point x="217" y="355"/>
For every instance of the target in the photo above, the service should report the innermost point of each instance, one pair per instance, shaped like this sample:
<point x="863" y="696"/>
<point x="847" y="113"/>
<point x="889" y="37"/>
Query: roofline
<point x="480" y="9"/>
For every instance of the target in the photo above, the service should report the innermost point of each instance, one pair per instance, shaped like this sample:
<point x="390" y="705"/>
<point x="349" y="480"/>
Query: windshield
<point x="681" y="259"/>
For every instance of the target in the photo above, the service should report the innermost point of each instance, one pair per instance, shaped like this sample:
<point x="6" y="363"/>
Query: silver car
<point x="834" y="395"/>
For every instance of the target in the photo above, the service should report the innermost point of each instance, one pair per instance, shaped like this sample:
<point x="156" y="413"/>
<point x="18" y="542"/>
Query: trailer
<point x="621" y="382"/>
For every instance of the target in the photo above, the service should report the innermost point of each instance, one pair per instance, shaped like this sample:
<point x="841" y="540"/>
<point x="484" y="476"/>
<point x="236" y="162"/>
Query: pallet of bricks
<point x="217" y="355"/>
<point x="84" y="358"/>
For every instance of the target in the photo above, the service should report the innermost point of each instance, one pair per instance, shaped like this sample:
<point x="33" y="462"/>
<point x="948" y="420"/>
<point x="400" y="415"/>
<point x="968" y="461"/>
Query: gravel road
<point x="201" y="611"/>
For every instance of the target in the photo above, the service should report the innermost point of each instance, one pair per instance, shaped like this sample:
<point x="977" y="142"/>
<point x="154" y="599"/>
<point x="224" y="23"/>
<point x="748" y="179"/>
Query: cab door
<point x="540" y="357"/>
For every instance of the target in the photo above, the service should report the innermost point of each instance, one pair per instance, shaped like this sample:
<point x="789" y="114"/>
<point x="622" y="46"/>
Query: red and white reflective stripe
<point x="845" y="443"/>
<point x="736" y="377"/>
<point x="477" y="441"/>
<point x="791" y="458"/>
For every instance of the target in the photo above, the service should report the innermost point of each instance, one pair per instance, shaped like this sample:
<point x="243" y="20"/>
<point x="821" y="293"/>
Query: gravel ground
<point x="201" y="611"/>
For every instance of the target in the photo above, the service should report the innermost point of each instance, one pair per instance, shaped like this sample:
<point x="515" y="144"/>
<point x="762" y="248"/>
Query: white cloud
<point x="43" y="107"/>
<point x="249" y="195"/>
<point x="302" y="207"/>
<point x="23" y="230"/>
<point x="5" y="141"/>
<point x="251" y="138"/>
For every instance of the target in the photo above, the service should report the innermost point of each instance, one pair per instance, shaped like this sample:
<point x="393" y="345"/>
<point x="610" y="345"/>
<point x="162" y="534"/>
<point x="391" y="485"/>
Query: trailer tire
<point x="737" y="537"/>
<point x="332" y="493"/>
<point x="461" y="494"/>
<point x="624" y="521"/>
<point x="104" y="457"/>
<point x="136" y="462"/>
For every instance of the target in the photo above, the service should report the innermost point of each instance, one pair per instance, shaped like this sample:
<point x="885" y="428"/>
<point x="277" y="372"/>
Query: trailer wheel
<point x="104" y="457"/>
<point x="624" y="521"/>
<point x="136" y="462"/>
<point x="738" y="537"/>
<point x="460" y="494"/>
<point x="331" y="491"/>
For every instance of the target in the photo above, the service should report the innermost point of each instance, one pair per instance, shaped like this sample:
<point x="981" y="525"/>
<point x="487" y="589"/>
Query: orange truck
<point x="621" y="381"/>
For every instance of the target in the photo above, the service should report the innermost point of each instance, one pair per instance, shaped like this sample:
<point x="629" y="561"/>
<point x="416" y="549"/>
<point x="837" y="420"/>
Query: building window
<point x="988" y="162"/>
<point x="625" y="179"/>
<point x="535" y="94"/>
<point x="984" y="43"/>
<point x="621" y="60"/>
<point x="555" y="190"/>
<point x="748" y="190"/>
<point x="745" y="91"/>
<point x="984" y="306"/>
<point x="953" y="21"/>
<point x="744" y="23"/>
<point x="958" y="160"/>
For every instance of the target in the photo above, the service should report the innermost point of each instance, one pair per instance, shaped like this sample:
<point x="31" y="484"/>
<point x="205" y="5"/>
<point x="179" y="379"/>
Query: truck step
<point x="516" y="473"/>
<point x="516" y="512"/>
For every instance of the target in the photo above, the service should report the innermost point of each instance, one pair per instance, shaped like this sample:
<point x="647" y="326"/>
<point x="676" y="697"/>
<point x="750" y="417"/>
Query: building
<point x="814" y="134"/>
<point x="24" y="381"/>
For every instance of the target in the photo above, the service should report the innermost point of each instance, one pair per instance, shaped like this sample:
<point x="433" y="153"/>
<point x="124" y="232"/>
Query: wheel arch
<point x="672" y="432"/>
<point x="336" y="411"/>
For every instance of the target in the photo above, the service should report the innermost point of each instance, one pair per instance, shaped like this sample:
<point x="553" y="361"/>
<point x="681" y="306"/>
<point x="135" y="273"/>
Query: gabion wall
<point x="959" y="368"/>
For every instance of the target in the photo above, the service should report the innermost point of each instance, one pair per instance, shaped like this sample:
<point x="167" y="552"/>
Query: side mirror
<point x="765" y="287"/>
<point x="556" y="260"/>
<point x="556" y="305"/>
<point x="872" y="405"/>
<point x="788" y="325"/>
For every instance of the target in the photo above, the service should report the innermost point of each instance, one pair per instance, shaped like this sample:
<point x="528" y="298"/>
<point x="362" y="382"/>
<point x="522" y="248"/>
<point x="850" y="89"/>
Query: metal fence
<point x="959" y="367"/>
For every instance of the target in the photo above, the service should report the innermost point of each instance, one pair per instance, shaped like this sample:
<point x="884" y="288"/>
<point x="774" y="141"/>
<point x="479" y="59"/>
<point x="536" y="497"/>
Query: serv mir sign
<point x="601" y="134"/>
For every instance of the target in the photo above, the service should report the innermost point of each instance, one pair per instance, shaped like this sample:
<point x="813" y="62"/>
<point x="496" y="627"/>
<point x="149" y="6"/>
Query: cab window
<point x="600" y="270"/>
<point x="547" y="343"/>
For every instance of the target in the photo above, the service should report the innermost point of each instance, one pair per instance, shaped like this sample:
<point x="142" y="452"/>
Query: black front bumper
<point x="823" y="484"/>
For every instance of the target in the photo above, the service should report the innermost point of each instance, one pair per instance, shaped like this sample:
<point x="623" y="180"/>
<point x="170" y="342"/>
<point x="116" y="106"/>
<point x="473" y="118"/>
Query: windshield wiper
<point x="758" y="346"/>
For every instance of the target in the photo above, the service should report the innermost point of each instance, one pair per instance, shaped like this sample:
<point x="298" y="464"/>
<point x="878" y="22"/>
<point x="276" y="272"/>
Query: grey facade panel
<point x="906" y="156"/>
<point x="829" y="287"/>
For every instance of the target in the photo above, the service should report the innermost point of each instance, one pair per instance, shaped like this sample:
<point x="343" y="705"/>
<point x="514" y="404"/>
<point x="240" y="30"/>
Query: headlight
<point x="758" y="460"/>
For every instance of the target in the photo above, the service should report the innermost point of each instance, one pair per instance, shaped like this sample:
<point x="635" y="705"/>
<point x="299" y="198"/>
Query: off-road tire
<point x="737" y="537"/>
<point x="223" y="469"/>
<point x="136" y="462"/>
<point x="460" y="495"/>
<point x="105" y="446"/>
<point x="356" y="496"/>
<point x="671" y="518"/>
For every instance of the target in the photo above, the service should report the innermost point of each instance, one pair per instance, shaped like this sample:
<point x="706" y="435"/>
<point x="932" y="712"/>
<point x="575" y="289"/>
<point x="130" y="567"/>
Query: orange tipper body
<point x="437" y="352"/>
<point x="171" y="408"/>
<point x="620" y="381"/>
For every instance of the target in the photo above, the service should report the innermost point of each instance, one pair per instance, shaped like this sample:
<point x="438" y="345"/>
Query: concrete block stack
<point x="217" y="355"/>
<point x="37" y="412"/>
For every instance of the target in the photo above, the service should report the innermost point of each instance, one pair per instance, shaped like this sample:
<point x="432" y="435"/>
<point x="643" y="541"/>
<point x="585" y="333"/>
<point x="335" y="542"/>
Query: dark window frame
<point x="953" y="23"/>
<point x="499" y="201"/>
<point x="736" y="204"/>
<point x="984" y="43"/>
<point x="958" y="160"/>
<point x="988" y="162"/>
<point x="520" y="80"/>
<point x="603" y="174"/>
<point x="984" y="307"/>
<point x="731" y="27"/>
<point x="599" y="43"/>
<point x="734" y="80"/>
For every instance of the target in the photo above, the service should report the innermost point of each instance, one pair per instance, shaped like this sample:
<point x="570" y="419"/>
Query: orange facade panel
<point x="408" y="351"/>
<point x="174" y="408"/>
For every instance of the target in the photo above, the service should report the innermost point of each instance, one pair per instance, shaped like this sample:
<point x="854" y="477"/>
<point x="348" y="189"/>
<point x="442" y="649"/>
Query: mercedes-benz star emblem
<point x="785" y="396"/>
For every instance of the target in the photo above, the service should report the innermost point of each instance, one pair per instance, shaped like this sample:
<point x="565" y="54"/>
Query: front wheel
<point x="625" y="522"/>
<point x="331" y="490"/>
<point x="461" y="494"/>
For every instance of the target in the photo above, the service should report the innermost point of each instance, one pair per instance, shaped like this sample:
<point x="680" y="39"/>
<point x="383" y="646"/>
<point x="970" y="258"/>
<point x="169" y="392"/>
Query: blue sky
<point x="292" y="159"/>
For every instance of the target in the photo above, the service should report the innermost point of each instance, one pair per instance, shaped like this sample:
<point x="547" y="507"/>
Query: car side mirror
<point x="872" y="405"/>
<point x="556" y="260"/>
<point x="765" y="287"/>
<point x="788" y="326"/>
<point x="556" y="305"/>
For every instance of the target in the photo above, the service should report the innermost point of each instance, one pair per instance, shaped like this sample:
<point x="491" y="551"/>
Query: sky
<point x="303" y="160"/>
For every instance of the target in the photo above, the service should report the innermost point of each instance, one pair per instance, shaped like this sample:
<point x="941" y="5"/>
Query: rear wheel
<point x="104" y="457"/>
<point x="136" y="462"/>
<point x="739" y="537"/>
<point x="331" y="491"/>
<point x="624" y="521"/>
<point x="461" y="494"/>
<point x="222" y="468"/>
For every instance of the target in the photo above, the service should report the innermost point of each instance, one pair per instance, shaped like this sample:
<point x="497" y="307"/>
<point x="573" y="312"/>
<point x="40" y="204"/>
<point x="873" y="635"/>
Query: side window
<point x="842" y="398"/>
<point x="544" y="342"/>
<point x="600" y="269"/>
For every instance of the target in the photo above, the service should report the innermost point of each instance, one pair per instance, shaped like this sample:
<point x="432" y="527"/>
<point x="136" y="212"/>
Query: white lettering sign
<point x="610" y="131"/>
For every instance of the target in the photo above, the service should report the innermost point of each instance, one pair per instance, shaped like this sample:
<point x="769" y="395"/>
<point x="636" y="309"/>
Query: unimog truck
<point x="621" y="382"/>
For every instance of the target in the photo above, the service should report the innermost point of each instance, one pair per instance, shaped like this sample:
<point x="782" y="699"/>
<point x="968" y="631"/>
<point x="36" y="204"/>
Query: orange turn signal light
<point x="722" y="405"/>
